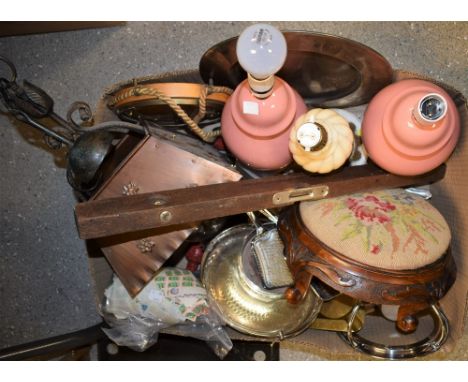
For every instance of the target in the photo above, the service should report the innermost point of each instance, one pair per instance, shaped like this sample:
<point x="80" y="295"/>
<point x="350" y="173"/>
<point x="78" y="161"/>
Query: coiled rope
<point x="206" y="90"/>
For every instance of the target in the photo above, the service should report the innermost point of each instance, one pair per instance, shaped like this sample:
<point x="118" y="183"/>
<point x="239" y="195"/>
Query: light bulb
<point x="261" y="50"/>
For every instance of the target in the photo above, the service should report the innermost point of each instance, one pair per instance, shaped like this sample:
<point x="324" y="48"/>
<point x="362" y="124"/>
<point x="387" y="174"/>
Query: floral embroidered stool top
<point x="388" y="229"/>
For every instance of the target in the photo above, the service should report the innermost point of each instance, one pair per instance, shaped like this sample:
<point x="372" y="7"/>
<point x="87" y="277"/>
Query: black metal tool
<point x="29" y="103"/>
<point x="88" y="147"/>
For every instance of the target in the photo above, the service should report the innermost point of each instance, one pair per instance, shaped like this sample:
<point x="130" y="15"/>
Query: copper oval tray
<point x="326" y="70"/>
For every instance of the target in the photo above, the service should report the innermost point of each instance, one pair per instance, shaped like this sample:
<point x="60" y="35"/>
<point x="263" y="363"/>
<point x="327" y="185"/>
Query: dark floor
<point x="45" y="286"/>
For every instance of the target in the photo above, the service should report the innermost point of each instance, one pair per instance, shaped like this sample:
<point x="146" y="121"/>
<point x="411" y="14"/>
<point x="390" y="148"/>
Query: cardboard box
<point x="449" y="196"/>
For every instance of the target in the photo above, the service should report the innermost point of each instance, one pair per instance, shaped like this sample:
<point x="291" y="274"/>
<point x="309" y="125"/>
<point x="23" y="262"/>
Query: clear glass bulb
<point x="261" y="50"/>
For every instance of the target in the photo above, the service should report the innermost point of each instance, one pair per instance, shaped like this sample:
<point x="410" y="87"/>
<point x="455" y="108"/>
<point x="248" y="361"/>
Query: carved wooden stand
<point x="413" y="290"/>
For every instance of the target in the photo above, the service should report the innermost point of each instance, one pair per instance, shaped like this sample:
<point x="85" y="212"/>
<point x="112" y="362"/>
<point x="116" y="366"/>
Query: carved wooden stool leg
<point x="406" y="320"/>
<point x="297" y="293"/>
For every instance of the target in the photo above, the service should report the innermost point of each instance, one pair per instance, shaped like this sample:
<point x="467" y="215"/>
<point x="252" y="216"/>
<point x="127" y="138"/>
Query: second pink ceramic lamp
<point x="260" y="114"/>
<point x="410" y="127"/>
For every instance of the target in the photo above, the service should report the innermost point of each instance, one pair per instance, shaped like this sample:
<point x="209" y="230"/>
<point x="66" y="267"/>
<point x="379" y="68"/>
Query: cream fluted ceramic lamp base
<point x="321" y="141"/>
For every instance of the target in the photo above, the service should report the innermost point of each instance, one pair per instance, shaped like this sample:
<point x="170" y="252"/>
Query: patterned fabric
<point x="389" y="229"/>
<point x="184" y="290"/>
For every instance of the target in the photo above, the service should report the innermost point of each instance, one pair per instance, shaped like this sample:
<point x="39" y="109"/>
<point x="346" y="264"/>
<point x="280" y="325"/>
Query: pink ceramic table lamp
<point x="410" y="127"/>
<point x="259" y="115"/>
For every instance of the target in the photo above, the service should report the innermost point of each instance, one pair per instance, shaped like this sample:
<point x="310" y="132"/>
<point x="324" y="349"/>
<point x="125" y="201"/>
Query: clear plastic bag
<point x="173" y="302"/>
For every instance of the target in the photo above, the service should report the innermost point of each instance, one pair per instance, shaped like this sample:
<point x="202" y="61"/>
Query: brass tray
<point x="232" y="284"/>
